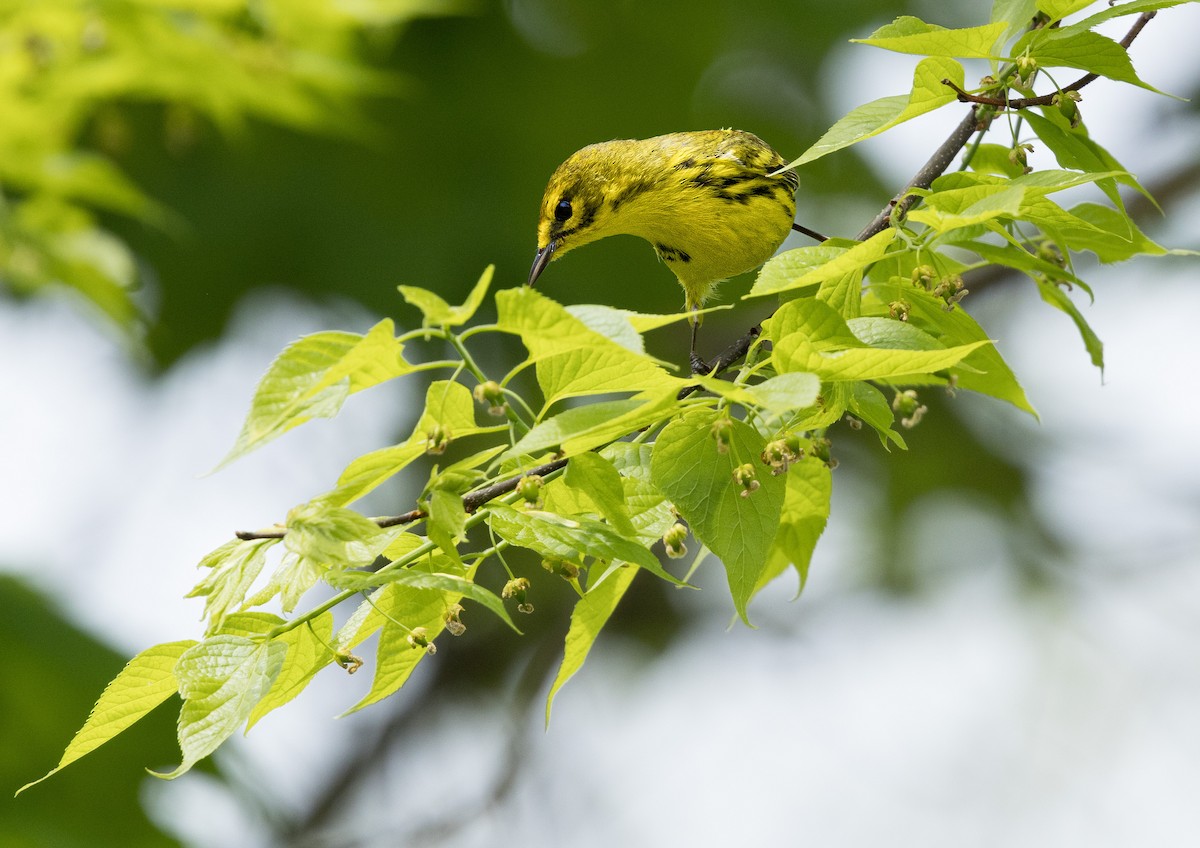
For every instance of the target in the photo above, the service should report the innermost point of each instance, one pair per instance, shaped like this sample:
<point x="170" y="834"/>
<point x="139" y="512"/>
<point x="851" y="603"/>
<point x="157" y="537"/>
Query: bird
<point x="712" y="203"/>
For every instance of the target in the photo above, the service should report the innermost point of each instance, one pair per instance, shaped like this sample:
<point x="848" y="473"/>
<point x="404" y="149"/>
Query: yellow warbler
<point x="709" y="202"/>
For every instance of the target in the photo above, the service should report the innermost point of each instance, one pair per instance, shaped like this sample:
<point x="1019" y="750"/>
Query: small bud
<point x="437" y="440"/>
<point x="722" y="431"/>
<point x="418" y="637"/>
<point x="1066" y="102"/>
<point x="899" y="310"/>
<point x="565" y="570"/>
<point x="1027" y="68"/>
<point x="950" y="289"/>
<point x="853" y="423"/>
<point x="819" y="449"/>
<point x="1019" y="156"/>
<point x="515" y="589"/>
<point x="794" y="445"/>
<point x="492" y="395"/>
<point x="451" y="618"/>
<point x="348" y="661"/>
<point x="923" y="276"/>
<point x="909" y="408"/>
<point x="673" y="541"/>
<point x="779" y="454"/>
<point x="529" y="488"/>
<point x="746" y="476"/>
<point x="988" y="81"/>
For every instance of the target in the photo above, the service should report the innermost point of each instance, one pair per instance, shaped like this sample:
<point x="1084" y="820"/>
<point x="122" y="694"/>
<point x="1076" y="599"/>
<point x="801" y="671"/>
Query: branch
<point x="934" y="168"/>
<point x="471" y="502"/>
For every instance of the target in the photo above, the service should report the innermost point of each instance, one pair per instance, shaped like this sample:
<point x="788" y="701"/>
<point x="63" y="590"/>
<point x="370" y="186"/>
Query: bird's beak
<point x="541" y="261"/>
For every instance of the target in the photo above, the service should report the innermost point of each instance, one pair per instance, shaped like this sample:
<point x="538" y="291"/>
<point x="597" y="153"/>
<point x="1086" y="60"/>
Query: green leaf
<point x="1133" y="7"/>
<point x="868" y="403"/>
<point x="1072" y="148"/>
<point x="907" y="34"/>
<point x="801" y="521"/>
<point x="1014" y="14"/>
<point x="312" y="379"/>
<point x="1056" y="297"/>
<point x="808" y="266"/>
<point x="221" y="680"/>
<point x="450" y="406"/>
<point x="810" y="336"/>
<point x="573" y="360"/>
<point x="984" y="369"/>
<point x="591" y="613"/>
<point x="1059" y="9"/>
<point x="371" y="470"/>
<point x="438" y="313"/>
<point x="598" y="481"/>
<point x="233" y="568"/>
<point x="307" y="653"/>
<point x="1084" y="50"/>
<point x="572" y="539"/>
<point x="781" y="394"/>
<point x="954" y="209"/>
<point x="583" y="428"/>
<point x="871" y="119"/>
<point x="698" y="480"/>
<point x="452" y="586"/>
<point x="447" y="520"/>
<point x="399" y="608"/>
<point x="145" y="682"/>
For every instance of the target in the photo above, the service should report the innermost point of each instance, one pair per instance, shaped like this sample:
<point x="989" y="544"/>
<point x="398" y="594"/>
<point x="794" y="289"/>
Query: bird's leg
<point x="699" y="366"/>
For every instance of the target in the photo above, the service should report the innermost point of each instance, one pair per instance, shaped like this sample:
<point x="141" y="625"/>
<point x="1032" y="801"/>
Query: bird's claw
<point x="699" y="366"/>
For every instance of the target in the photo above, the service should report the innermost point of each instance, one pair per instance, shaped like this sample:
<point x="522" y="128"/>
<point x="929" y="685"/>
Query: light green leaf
<point x="907" y="34"/>
<point x="954" y="209"/>
<point x="1014" y="14"/>
<point x="801" y="521"/>
<point x="145" y="682"/>
<point x="573" y="360"/>
<point x="450" y="406"/>
<point x="221" y="680"/>
<point x="1056" y="297"/>
<point x="1124" y="241"/>
<point x="783" y="393"/>
<point x="698" y="480"/>
<point x="1072" y="148"/>
<point x="1086" y="51"/>
<point x="1059" y="9"/>
<point x="307" y="653"/>
<point x="591" y="613"/>
<point x="447" y="520"/>
<point x="1113" y="10"/>
<point x="810" y="336"/>
<point x="312" y="379"/>
<point x="454" y="587"/>
<point x="871" y="119"/>
<point x="572" y="539"/>
<point x="438" y="313"/>
<point x="371" y="470"/>
<point x="597" y="480"/>
<point x="868" y="403"/>
<point x="808" y="266"/>
<point x="233" y="568"/>
<point x="399" y="608"/>
<point x="583" y="428"/>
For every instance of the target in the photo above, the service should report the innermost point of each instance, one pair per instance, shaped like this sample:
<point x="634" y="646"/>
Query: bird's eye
<point x="562" y="211"/>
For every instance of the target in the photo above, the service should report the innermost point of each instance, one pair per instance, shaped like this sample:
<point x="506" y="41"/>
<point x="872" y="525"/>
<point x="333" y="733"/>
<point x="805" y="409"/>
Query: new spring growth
<point x="565" y="570"/>
<point x="819" y="449"/>
<point x="529" y="488"/>
<point x="516" y="590"/>
<point x="418" y="637"/>
<point x="899" y="309"/>
<point x="746" y="476"/>
<point x="437" y="439"/>
<point x="492" y="396"/>
<point x="722" y="431"/>
<point x="1065" y="101"/>
<point x="781" y="453"/>
<point x="348" y="661"/>
<point x="451" y="618"/>
<point x="1027" y="68"/>
<point x="1019" y="156"/>
<point x="911" y="410"/>
<point x="673" y="540"/>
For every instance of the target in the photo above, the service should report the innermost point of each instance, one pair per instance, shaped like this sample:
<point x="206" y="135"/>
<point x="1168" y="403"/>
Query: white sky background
<point x="974" y="715"/>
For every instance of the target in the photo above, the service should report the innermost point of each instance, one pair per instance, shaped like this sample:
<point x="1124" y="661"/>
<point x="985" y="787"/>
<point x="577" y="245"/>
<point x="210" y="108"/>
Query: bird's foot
<point x="699" y="366"/>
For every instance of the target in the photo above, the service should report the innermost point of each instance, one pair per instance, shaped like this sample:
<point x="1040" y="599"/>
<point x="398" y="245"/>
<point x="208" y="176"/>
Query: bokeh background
<point x="1000" y="639"/>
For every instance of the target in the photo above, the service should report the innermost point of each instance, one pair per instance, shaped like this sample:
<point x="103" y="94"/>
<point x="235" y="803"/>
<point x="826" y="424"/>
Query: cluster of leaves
<point x="68" y="70"/>
<point x="613" y="456"/>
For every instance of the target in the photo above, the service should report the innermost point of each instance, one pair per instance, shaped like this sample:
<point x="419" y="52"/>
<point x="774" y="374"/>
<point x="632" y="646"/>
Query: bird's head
<point x="578" y="207"/>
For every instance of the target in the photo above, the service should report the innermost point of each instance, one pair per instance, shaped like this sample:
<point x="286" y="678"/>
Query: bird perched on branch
<point x="709" y="202"/>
